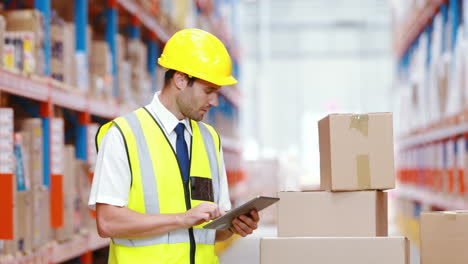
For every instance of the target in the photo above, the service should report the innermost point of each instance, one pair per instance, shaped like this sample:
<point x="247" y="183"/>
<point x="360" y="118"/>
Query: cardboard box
<point x="41" y="224"/>
<point x="444" y="237"/>
<point x="92" y="130"/>
<point x="83" y="188"/>
<point x="33" y="144"/>
<point x="356" y="152"/>
<point x="337" y="250"/>
<point x="125" y="82"/>
<point x="65" y="9"/>
<point x="137" y="54"/>
<point x="33" y="21"/>
<point x="24" y="220"/>
<point x="121" y="48"/>
<point x="2" y="37"/>
<point x="63" y="52"/>
<point x="100" y="61"/>
<point x="69" y="196"/>
<point x="22" y="228"/>
<point x="325" y="214"/>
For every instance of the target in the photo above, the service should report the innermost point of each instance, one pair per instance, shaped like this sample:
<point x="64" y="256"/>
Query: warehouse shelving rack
<point x="49" y="93"/>
<point x="412" y="185"/>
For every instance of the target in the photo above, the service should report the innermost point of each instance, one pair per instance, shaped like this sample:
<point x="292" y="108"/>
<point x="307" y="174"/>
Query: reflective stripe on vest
<point x="156" y="182"/>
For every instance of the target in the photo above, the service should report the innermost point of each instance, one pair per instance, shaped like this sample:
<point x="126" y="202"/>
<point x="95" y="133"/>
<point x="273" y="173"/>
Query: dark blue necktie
<point x="182" y="152"/>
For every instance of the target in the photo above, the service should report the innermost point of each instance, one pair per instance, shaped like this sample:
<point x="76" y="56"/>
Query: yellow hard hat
<point x="198" y="54"/>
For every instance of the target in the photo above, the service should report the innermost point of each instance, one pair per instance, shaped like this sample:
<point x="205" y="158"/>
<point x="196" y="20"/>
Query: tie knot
<point x="179" y="129"/>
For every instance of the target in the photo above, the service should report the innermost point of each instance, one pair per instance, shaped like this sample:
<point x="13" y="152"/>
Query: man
<point x="160" y="173"/>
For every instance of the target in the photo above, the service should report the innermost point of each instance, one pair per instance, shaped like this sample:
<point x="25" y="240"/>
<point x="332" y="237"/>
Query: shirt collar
<point x="167" y="119"/>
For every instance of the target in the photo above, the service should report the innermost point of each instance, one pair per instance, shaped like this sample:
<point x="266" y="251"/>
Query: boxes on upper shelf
<point x="335" y="250"/>
<point x="101" y="69"/>
<point x="62" y="62"/>
<point x="444" y="237"/>
<point x="356" y="152"/>
<point x="325" y="214"/>
<point x="29" y="20"/>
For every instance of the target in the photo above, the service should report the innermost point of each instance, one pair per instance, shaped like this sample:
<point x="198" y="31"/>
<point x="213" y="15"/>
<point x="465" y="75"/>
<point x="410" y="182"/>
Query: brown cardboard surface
<point x="65" y="9"/>
<point x="356" y="152"/>
<point x="24" y="220"/>
<point x="339" y="250"/>
<point x="100" y="60"/>
<point x="69" y="196"/>
<point x="41" y="224"/>
<point x="137" y="54"/>
<point x="2" y="32"/>
<point x="328" y="214"/>
<point x="32" y="142"/>
<point x="444" y="237"/>
<point x="63" y="52"/>
<point x="29" y="20"/>
<point x="83" y="189"/>
<point x="121" y="48"/>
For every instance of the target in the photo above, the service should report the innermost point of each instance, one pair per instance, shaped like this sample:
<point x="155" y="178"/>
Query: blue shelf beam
<point x="153" y="54"/>
<point x="82" y="136"/>
<point x="444" y="12"/>
<point x="111" y="36"/>
<point x="81" y="49"/>
<point x="44" y="7"/>
<point x="455" y="16"/>
<point x="46" y="110"/>
<point x="134" y="31"/>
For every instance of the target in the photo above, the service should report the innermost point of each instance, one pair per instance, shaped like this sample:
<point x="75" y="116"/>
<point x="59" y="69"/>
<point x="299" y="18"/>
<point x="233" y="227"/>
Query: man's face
<point x="195" y="101"/>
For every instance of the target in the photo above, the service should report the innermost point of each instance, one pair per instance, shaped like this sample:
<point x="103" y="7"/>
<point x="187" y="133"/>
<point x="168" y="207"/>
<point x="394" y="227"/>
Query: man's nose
<point x="213" y="100"/>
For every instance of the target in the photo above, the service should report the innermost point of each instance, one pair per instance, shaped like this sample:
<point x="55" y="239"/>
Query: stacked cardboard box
<point x="30" y="24"/>
<point x="92" y="130"/>
<point x="444" y="237"/>
<point x="2" y="38"/>
<point x="31" y="133"/>
<point x="62" y="64"/>
<point x="141" y="83"/>
<point x="66" y="232"/>
<point x="64" y="9"/>
<point x="101" y="69"/>
<point x="83" y="183"/>
<point x="23" y="203"/>
<point x="124" y="71"/>
<point x="347" y="221"/>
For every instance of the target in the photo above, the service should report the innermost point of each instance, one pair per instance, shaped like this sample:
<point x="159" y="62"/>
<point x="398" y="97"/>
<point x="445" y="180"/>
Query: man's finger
<point x="249" y="221"/>
<point x="255" y="215"/>
<point x="243" y="226"/>
<point x="239" y="230"/>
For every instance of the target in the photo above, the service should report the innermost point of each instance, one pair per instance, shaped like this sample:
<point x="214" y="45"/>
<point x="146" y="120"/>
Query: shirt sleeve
<point x="112" y="177"/>
<point x="224" y="199"/>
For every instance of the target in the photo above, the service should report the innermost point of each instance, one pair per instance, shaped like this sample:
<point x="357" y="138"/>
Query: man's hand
<point x="201" y="213"/>
<point x="244" y="225"/>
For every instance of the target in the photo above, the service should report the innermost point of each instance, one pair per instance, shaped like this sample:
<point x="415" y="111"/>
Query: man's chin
<point x="198" y="118"/>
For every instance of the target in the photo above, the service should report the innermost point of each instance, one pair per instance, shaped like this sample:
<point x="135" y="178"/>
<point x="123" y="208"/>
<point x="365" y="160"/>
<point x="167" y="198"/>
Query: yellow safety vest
<point x="157" y="188"/>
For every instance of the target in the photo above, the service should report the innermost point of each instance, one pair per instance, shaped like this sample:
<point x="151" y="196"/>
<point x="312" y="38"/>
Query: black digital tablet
<point x="225" y="222"/>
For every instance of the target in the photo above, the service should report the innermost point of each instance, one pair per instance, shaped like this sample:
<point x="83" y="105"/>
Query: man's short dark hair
<point x="170" y="74"/>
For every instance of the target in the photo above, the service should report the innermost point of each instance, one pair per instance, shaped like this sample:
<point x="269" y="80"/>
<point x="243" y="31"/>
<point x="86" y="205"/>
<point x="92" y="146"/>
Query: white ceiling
<point x="316" y="28"/>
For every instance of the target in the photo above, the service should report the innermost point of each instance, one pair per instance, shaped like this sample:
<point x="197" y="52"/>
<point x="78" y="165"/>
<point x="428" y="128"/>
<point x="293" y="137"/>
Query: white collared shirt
<point x="112" y="178"/>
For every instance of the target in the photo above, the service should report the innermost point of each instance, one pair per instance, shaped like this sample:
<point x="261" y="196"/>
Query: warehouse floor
<point x="246" y="250"/>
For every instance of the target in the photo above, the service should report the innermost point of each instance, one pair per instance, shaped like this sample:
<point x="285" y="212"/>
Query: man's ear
<point x="180" y="80"/>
